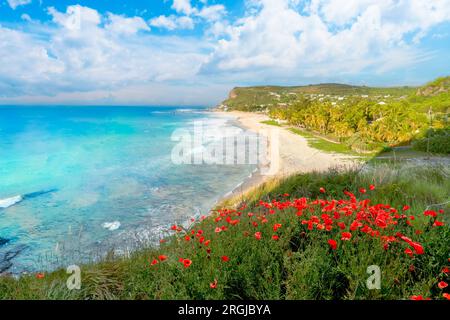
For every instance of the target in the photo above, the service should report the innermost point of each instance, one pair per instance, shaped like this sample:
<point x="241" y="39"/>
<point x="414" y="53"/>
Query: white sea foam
<point x="8" y="202"/>
<point x="111" y="226"/>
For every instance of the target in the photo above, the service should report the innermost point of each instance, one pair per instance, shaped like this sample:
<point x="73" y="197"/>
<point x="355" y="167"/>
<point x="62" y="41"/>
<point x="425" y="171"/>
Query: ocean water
<point x="77" y="182"/>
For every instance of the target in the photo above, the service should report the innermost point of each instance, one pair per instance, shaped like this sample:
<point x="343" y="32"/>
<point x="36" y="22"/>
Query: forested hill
<point x="365" y="118"/>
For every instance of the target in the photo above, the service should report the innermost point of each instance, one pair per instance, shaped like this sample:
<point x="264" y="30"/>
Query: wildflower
<point x="206" y="243"/>
<point x="346" y="236"/>
<point x="174" y="227"/>
<point x="419" y="298"/>
<point x="154" y="262"/>
<point x="442" y="285"/>
<point x="438" y="224"/>
<point x="322" y="190"/>
<point x="355" y="225"/>
<point x="445" y="270"/>
<point x="217" y="230"/>
<point x="225" y="258"/>
<point x="417" y="248"/>
<point x="333" y="244"/>
<point x="40" y="275"/>
<point x="371" y="187"/>
<point x="162" y="258"/>
<point x="406" y="208"/>
<point x="258" y="235"/>
<point x="275" y="237"/>
<point x="362" y="190"/>
<point x="286" y="195"/>
<point x="441" y="211"/>
<point x="446" y="296"/>
<point x="213" y="285"/>
<point x="187" y="238"/>
<point x="341" y="225"/>
<point x="409" y="252"/>
<point x="276" y="226"/>
<point x="430" y="213"/>
<point x="187" y="263"/>
<point x="162" y="241"/>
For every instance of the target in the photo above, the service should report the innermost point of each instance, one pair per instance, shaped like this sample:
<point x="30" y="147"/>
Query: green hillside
<point x="257" y="98"/>
<point x="365" y="119"/>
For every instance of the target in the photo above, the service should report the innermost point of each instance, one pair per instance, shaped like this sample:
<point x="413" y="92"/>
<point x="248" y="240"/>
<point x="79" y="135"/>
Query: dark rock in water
<point x="6" y="258"/>
<point x="3" y="241"/>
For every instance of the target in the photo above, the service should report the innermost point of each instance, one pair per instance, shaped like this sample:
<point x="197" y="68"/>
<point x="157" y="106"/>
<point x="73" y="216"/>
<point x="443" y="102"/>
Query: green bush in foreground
<point x="265" y="250"/>
<point x="435" y="141"/>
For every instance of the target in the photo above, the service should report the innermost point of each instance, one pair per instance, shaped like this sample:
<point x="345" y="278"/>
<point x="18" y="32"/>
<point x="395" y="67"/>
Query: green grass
<point x="319" y="143"/>
<point x="298" y="266"/>
<point x="271" y="123"/>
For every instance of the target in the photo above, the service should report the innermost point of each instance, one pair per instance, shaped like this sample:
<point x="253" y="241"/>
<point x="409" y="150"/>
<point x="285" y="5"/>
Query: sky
<point x="193" y="52"/>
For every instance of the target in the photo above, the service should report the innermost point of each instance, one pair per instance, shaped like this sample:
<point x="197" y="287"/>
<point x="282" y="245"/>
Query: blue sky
<point x="192" y="52"/>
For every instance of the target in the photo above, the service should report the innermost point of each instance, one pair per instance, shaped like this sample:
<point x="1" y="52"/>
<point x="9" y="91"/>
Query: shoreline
<point x="295" y="155"/>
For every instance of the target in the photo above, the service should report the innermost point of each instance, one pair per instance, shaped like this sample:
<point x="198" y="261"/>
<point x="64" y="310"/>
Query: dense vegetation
<point x="365" y="119"/>
<point x="311" y="236"/>
<point x="436" y="140"/>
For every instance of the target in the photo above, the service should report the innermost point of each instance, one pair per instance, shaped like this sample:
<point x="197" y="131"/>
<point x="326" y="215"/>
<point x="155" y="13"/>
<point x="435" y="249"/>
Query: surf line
<point x="8" y="202"/>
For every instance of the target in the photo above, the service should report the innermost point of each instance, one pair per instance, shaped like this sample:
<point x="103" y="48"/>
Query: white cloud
<point x="212" y="13"/>
<point x="172" y="22"/>
<point x="80" y="53"/>
<point x="123" y="25"/>
<point x="16" y="3"/>
<point x="187" y="15"/>
<point x="89" y="57"/>
<point x="183" y="6"/>
<point x="25" y="17"/>
<point x="345" y="36"/>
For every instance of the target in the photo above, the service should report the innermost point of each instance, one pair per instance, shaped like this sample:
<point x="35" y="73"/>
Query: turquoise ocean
<point x="78" y="182"/>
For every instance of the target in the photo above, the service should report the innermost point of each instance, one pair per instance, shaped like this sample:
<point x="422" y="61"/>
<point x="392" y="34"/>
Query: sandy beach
<point x="294" y="154"/>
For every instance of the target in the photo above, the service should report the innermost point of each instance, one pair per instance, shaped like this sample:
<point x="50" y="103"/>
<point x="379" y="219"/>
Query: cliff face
<point x="233" y="94"/>
<point x="441" y="85"/>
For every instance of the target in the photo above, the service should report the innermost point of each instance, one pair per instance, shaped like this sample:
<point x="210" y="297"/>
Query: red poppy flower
<point x="213" y="285"/>
<point x="441" y="211"/>
<point x="187" y="263"/>
<point x="341" y="225"/>
<point x="40" y="275"/>
<point x="258" y="235"/>
<point x="187" y="238"/>
<point x="174" y="228"/>
<point x="362" y="190"/>
<point x="438" y="224"/>
<point x="409" y="252"/>
<point x="162" y="258"/>
<point x="333" y="244"/>
<point x="162" y="241"/>
<point x="207" y="242"/>
<point x="322" y="190"/>
<point x="217" y="230"/>
<point x="417" y="248"/>
<point x="225" y="258"/>
<point x="442" y="285"/>
<point x="286" y="195"/>
<point x="417" y="298"/>
<point x="430" y="213"/>
<point x="446" y="296"/>
<point x="154" y="262"/>
<point x="445" y="270"/>
<point x="275" y="237"/>
<point x="276" y="226"/>
<point x="406" y="207"/>
<point x="372" y="187"/>
<point x="346" y="236"/>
